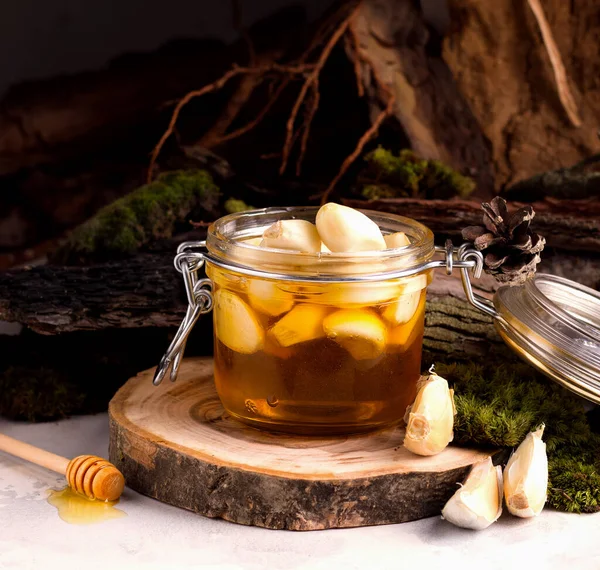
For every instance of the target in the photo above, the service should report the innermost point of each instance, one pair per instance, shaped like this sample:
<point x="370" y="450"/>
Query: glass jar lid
<point x="554" y="323"/>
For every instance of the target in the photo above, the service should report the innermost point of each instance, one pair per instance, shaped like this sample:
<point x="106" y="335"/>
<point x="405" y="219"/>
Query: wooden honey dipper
<point x="88" y="475"/>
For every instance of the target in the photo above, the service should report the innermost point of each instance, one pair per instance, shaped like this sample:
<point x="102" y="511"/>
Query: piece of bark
<point x="569" y="225"/>
<point x="244" y="475"/>
<point x="501" y="65"/>
<point x="394" y="47"/>
<point x="574" y="182"/>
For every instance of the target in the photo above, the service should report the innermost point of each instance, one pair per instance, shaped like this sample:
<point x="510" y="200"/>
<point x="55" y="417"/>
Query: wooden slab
<point x="176" y="443"/>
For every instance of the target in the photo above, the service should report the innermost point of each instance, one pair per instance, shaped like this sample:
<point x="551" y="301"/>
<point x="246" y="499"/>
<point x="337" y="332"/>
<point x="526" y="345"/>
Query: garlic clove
<point x="402" y="310"/>
<point x="301" y="324"/>
<point x="236" y="325"/>
<point x="399" y="239"/>
<point x="255" y="241"/>
<point x="361" y="332"/>
<point x="356" y="295"/>
<point x="267" y="298"/>
<point x="430" y="420"/>
<point x="478" y="502"/>
<point x="345" y="229"/>
<point x="403" y="335"/>
<point x="526" y="477"/>
<point x="296" y="235"/>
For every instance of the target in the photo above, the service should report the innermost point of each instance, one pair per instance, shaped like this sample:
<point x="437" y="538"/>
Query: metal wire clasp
<point x="467" y="257"/>
<point x="200" y="301"/>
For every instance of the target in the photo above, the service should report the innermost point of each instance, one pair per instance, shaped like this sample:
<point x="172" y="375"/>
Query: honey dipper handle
<point x="34" y="454"/>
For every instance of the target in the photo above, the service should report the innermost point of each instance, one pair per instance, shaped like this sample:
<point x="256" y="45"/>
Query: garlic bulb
<point x="297" y="235"/>
<point x="430" y="420"/>
<point x="478" y="502"/>
<point x="345" y="229"/>
<point x="526" y="477"/>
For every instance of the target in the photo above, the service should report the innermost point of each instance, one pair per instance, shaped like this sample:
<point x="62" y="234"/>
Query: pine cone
<point x="511" y="249"/>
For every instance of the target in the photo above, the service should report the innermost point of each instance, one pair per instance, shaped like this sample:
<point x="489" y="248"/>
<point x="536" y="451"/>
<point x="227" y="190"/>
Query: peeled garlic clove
<point x="478" y="502"/>
<point x="255" y="241"/>
<point x="236" y="326"/>
<point x="345" y="229"/>
<point x="266" y="297"/>
<point x="297" y="235"/>
<point x="354" y="295"/>
<point x="526" y="477"/>
<point x="301" y="324"/>
<point x="402" y="310"/>
<point x="402" y="335"/>
<point x="399" y="239"/>
<point x="361" y="332"/>
<point x="430" y="420"/>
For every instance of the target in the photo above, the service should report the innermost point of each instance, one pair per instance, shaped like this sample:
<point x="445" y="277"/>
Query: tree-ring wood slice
<point x="175" y="443"/>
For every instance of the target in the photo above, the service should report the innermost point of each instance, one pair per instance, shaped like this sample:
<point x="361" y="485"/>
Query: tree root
<point x="333" y="29"/>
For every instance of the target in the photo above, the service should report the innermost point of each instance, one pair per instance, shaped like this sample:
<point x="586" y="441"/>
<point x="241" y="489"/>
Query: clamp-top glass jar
<point x="297" y="352"/>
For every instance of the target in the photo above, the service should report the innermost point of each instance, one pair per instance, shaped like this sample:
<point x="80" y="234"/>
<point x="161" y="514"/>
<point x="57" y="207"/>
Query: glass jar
<point x="301" y="348"/>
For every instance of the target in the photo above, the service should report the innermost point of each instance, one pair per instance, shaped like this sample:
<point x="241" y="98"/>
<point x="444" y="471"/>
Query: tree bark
<point x="394" y="49"/>
<point x="501" y="66"/>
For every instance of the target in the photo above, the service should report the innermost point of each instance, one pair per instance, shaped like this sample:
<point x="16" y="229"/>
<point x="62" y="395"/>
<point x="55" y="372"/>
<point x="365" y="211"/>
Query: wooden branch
<point x="560" y="74"/>
<point x="570" y="225"/>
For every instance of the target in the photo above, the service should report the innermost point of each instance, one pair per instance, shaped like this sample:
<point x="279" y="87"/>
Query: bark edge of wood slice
<point x="175" y="443"/>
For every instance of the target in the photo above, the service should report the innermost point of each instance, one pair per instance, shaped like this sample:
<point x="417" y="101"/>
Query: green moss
<point x="408" y="175"/>
<point x="37" y="394"/>
<point x="233" y="206"/>
<point x="499" y="404"/>
<point x="148" y="213"/>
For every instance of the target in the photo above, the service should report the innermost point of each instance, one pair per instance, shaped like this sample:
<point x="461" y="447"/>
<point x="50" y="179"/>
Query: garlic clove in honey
<point x="402" y="335"/>
<point x="255" y="241"/>
<point x="345" y="229"/>
<point x="236" y="325"/>
<point x="296" y="235"/>
<point x="303" y="323"/>
<point x="526" y="477"/>
<point x="399" y="239"/>
<point x="478" y="502"/>
<point x="266" y="297"/>
<point x="402" y="310"/>
<point x="430" y="420"/>
<point x="361" y="332"/>
<point x="356" y="295"/>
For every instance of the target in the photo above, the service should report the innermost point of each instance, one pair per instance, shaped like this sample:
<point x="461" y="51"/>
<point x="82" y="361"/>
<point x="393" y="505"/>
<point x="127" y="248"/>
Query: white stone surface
<point x="157" y="536"/>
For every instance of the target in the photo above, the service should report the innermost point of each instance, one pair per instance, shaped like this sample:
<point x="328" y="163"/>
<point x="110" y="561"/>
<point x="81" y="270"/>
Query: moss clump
<point x="233" y="206"/>
<point x="148" y="213"/>
<point x="408" y="175"/>
<point x="37" y="394"/>
<point x="499" y="405"/>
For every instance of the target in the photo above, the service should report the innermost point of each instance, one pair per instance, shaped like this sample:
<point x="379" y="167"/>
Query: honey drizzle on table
<point x="74" y="508"/>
